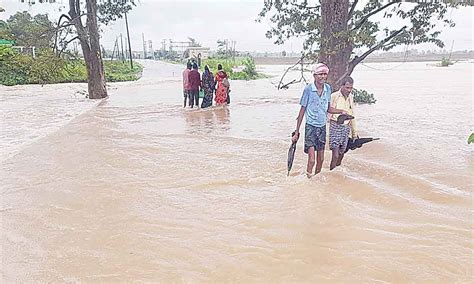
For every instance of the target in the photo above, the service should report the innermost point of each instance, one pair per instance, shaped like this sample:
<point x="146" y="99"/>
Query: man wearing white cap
<point x="315" y="104"/>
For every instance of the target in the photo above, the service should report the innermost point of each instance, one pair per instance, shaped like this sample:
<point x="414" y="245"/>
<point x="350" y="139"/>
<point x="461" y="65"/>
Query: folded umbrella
<point x="291" y="154"/>
<point x="353" y="144"/>
<point x="343" y="117"/>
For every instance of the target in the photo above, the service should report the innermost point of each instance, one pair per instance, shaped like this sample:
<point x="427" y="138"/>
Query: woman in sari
<point x="208" y="87"/>
<point x="222" y="86"/>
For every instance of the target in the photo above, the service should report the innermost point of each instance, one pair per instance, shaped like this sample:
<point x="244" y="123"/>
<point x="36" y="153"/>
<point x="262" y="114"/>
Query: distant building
<point x="197" y="52"/>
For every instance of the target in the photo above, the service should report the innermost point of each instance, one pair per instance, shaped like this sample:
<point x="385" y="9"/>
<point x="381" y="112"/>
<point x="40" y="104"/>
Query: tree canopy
<point x="303" y="18"/>
<point x="335" y="28"/>
<point x="87" y="32"/>
<point x="28" y="31"/>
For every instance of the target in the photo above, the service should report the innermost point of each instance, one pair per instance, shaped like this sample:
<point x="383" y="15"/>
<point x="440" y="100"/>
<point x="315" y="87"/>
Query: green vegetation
<point x="365" y="26"/>
<point x="471" y="139"/>
<point x="47" y="68"/>
<point x="118" y="71"/>
<point x="445" y="62"/>
<point x="87" y="32"/>
<point x="28" y="30"/>
<point x="52" y="63"/>
<point x="115" y="71"/>
<point x="363" y="97"/>
<point x="229" y="65"/>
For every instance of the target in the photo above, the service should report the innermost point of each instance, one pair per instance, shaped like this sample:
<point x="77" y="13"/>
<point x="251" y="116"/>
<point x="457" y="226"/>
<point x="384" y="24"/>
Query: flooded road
<point x="135" y="187"/>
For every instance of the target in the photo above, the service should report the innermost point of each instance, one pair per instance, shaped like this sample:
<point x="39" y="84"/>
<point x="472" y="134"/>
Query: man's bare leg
<point x="311" y="160"/>
<point x="334" y="159"/>
<point x="319" y="161"/>
<point x="339" y="161"/>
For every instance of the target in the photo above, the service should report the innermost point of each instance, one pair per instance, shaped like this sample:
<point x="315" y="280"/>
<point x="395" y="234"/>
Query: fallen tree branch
<point x="294" y="81"/>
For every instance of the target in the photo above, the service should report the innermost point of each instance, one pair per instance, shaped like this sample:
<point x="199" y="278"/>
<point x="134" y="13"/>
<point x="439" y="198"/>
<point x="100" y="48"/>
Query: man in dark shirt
<point x="195" y="83"/>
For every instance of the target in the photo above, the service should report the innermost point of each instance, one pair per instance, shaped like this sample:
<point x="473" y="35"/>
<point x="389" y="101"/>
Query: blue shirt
<point x="316" y="107"/>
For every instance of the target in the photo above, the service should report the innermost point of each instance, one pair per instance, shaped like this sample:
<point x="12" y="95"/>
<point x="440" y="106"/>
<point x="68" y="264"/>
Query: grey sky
<point x="210" y="20"/>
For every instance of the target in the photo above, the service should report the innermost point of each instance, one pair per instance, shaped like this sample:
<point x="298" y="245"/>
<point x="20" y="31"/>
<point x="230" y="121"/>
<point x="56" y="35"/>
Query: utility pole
<point x="144" y="46"/>
<point x="115" y="47"/>
<point x="129" y="45"/>
<point x="233" y="49"/>
<point x="451" y="52"/>
<point x="121" y="44"/>
<point x="150" y="47"/>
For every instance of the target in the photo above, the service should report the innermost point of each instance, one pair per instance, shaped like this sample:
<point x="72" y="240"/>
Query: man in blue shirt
<point x="315" y="103"/>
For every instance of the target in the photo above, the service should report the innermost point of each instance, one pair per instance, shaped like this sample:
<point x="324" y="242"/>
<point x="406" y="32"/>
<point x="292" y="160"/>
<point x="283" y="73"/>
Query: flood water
<point x="137" y="188"/>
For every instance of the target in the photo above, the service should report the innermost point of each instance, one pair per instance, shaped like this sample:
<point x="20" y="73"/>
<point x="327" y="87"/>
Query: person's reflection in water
<point x="222" y="118"/>
<point x="212" y="120"/>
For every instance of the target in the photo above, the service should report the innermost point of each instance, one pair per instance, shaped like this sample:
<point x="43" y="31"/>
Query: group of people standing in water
<point x="208" y="83"/>
<point x="318" y="103"/>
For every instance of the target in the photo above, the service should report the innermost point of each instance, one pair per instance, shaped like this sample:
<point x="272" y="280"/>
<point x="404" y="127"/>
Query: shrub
<point x="14" y="69"/>
<point x="249" y="72"/>
<point x="75" y="71"/>
<point x="47" y="68"/>
<point x="118" y="71"/>
<point x="363" y="97"/>
<point x="445" y="62"/>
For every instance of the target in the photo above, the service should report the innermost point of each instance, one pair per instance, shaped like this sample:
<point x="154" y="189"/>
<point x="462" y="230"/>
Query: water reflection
<point x="211" y="121"/>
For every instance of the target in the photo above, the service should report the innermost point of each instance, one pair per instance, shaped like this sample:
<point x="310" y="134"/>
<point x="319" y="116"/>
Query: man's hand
<point x="295" y="137"/>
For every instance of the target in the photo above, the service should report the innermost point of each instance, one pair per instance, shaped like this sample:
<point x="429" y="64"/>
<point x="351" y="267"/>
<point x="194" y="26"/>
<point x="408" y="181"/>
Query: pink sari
<point x="221" y="92"/>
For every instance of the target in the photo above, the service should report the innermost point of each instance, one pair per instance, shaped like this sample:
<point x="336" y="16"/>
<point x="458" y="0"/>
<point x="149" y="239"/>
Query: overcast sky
<point x="210" y="20"/>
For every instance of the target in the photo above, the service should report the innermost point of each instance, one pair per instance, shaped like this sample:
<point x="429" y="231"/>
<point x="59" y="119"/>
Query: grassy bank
<point x="115" y="71"/>
<point x="241" y="68"/>
<point x="46" y="68"/>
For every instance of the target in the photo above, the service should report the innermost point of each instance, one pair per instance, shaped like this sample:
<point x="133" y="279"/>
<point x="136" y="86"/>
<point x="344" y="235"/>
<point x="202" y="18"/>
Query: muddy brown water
<point x="137" y="188"/>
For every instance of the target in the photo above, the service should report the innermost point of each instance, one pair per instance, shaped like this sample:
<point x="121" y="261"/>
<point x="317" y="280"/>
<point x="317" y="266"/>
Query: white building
<point x="197" y="52"/>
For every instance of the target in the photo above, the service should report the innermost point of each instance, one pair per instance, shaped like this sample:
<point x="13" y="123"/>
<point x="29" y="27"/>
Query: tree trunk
<point x="336" y="48"/>
<point x="94" y="64"/>
<point x="90" y="45"/>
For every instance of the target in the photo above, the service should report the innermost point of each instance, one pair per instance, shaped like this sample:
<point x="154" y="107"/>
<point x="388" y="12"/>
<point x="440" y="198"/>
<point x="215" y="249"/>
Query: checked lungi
<point x="338" y="136"/>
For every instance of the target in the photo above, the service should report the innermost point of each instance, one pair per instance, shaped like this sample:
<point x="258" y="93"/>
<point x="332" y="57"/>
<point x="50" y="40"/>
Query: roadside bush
<point x="249" y="72"/>
<point x="445" y="62"/>
<point x="75" y="71"/>
<point x="250" y="68"/>
<point x="14" y="69"/>
<point x="5" y="52"/>
<point x="47" y="68"/>
<point x="118" y="71"/>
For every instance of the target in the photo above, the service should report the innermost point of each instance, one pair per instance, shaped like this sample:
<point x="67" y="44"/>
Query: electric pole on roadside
<point x="144" y="46"/>
<point x="121" y="47"/>
<point x="129" y="45"/>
